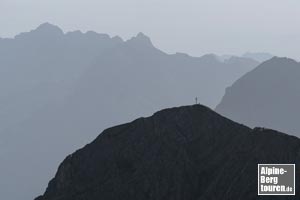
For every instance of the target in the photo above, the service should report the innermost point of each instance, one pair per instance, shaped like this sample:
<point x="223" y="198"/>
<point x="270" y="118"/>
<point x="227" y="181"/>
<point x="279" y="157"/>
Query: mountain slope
<point x="187" y="153"/>
<point x="268" y="96"/>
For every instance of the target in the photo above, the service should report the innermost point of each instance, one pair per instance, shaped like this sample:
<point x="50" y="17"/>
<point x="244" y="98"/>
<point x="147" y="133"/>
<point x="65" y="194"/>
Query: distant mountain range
<point x="260" y="57"/>
<point x="59" y="90"/>
<point x="268" y="96"/>
<point x="189" y="153"/>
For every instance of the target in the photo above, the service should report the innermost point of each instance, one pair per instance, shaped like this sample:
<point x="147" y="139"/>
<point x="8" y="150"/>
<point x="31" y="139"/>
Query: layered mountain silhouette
<point x="268" y="96"/>
<point x="187" y="153"/>
<point x="65" y="88"/>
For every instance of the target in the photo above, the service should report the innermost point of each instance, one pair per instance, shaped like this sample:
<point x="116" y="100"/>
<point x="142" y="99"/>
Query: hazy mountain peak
<point x="210" y="55"/>
<point x="280" y="62"/>
<point x="141" y="39"/>
<point x="97" y="35"/>
<point x="282" y="59"/>
<point x="142" y="35"/>
<point x="48" y="28"/>
<point x="233" y="59"/>
<point x="118" y="38"/>
<point x="260" y="57"/>
<point x="210" y="58"/>
<point x="94" y="36"/>
<point x="44" y="30"/>
<point x="77" y="32"/>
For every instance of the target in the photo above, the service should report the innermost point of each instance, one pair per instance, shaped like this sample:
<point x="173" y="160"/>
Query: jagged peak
<point x="93" y="34"/>
<point x="77" y="32"/>
<point x="49" y="28"/>
<point x="44" y="30"/>
<point x="97" y="35"/>
<point x="281" y="60"/>
<point x="141" y="35"/>
<point x="234" y="59"/>
<point x="210" y="58"/>
<point x="258" y="56"/>
<point x="140" y="39"/>
<point x="118" y="38"/>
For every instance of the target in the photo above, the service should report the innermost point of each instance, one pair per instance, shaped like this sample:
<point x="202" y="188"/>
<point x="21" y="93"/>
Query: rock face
<point x="268" y="96"/>
<point x="181" y="153"/>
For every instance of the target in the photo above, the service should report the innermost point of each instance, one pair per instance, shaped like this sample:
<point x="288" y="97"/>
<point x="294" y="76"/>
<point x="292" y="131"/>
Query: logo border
<point x="273" y="193"/>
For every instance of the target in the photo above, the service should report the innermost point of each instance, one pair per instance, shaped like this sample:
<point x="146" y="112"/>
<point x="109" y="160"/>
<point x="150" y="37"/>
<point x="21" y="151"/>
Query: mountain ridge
<point x="177" y="153"/>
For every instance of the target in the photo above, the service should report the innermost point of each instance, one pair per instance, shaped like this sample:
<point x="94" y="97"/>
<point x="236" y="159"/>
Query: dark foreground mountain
<point x="189" y="153"/>
<point x="268" y="96"/>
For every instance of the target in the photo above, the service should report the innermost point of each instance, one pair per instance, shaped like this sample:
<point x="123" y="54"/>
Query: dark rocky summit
<point x="186" y="153"/>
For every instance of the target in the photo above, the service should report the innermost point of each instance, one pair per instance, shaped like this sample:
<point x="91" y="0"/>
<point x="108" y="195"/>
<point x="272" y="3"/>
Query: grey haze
<point x="196" y="27"/>
<point x="60" y="90"/>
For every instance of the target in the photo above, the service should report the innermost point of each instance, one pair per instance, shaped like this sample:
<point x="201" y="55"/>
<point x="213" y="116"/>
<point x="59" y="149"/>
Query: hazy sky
<point x="192" y="26"/>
